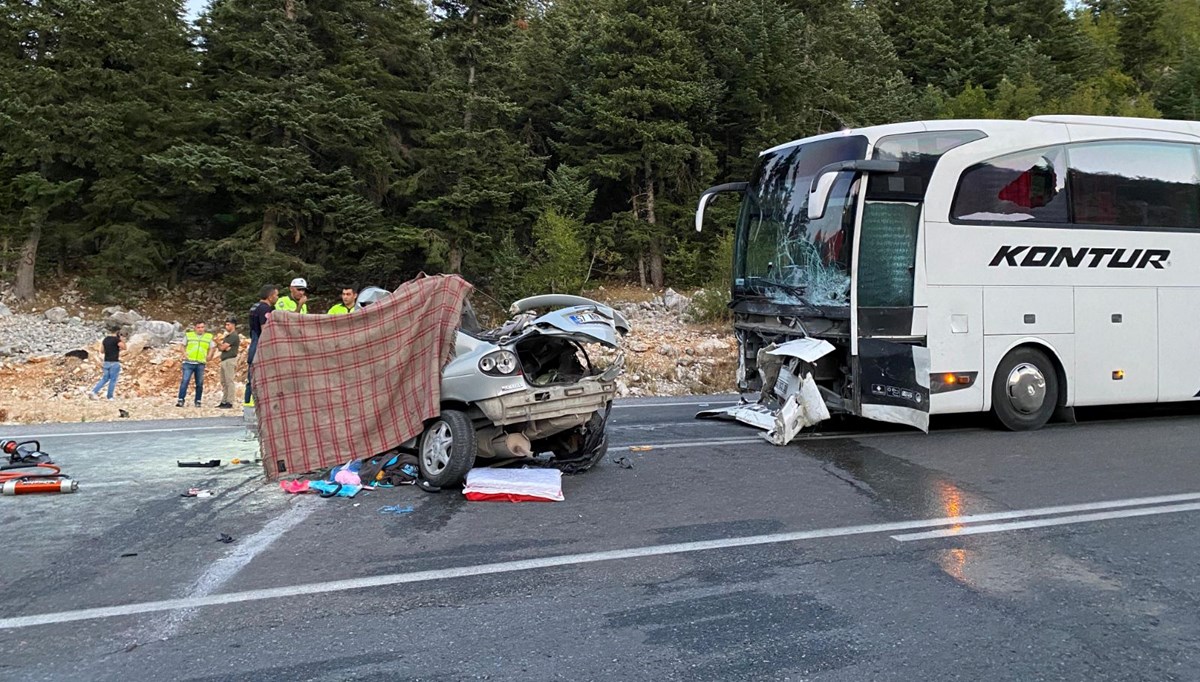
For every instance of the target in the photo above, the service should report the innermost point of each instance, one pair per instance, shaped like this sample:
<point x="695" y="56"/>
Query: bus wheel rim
<point x="1026" y="388"/>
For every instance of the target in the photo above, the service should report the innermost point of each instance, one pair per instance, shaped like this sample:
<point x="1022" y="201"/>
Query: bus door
<point x="889" y="362"/>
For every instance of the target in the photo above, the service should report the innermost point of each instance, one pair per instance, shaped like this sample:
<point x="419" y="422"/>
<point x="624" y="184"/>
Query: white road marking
<point x="705" y="403"/>
<point x="197" y="601"/>
<point x="692" y="443"/>
<point x="229" y="565"/>
<point x="1042" y="523"/>
<point x="121" y="432"/>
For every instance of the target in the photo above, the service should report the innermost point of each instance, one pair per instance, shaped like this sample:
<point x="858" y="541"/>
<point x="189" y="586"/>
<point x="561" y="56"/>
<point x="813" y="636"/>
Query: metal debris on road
<point x="199" y="465"/>
<point x="395" y="509"/>
<point x="197" y="492"/>
<point x="625" y="463"/>
<point x="225" y="538"/>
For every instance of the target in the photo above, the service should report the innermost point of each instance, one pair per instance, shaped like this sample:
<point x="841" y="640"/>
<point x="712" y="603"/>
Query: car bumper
<point x="547" y="402"/>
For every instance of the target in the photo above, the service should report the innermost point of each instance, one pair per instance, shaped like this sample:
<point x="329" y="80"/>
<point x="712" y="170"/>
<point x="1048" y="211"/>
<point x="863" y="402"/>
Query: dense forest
<point x="527" y="144"/>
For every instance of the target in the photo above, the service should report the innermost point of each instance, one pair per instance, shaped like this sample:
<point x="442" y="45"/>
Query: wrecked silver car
<point x="525" y="390"/>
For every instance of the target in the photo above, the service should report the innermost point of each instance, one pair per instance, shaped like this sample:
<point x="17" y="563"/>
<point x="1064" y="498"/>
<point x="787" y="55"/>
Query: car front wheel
<point x="447" y="449"/>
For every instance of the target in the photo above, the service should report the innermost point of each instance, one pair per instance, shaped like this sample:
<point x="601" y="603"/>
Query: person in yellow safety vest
<point x="197" y="352"/>
<point x="349" y="302"/>
<point x="297" y="302"/>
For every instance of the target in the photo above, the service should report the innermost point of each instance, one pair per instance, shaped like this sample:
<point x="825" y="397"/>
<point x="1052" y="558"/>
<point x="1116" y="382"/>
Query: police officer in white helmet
<point x="297" y="300"/>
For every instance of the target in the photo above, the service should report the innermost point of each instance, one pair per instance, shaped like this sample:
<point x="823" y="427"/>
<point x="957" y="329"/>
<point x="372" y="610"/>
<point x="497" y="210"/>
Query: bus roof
<point x="991" y="126"/>
<point x="1155" y="124"/>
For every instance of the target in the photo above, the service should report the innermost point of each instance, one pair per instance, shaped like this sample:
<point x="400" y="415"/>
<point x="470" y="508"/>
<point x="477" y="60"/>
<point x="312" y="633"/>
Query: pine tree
<point x="1047" y="25"/>
<point x="1140" y="38"/>
<point x="89" y="91"/>
<point x="1180" y="94"/>
<point x="299" y="149"/>
<point x="946" y="43"/>
<point x="479" y="181"/>
<point x="638" y="106"/>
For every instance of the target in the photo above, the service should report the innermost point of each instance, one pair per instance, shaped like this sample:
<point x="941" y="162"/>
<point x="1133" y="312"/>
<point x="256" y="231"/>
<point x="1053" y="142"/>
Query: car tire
<point x="447" y="449"/>
<point x="1025" y="390"/>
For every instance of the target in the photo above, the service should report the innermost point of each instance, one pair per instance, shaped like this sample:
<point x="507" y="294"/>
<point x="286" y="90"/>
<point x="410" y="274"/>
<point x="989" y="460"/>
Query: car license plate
<point x="585" y="318"/>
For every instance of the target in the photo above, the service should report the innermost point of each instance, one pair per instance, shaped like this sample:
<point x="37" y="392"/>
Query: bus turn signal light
<point x="951" y="381"/>
<point x="1118" y="374"/>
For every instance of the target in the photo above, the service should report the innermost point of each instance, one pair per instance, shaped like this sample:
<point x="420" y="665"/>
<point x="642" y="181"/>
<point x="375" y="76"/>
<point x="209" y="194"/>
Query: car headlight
<point x="501" y="363"/>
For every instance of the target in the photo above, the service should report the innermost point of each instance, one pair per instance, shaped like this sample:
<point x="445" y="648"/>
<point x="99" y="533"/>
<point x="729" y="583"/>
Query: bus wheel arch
<point x="1028" y="386"/>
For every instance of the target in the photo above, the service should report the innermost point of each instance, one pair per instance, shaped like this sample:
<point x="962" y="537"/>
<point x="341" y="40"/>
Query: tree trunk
<point x="470" y="80"/>
<point x="455" y="257"/>
<point x="25" y="290"/>
<point x="289" y="9"/>
<point x="4" y="258"/>
<point x="642" y="267"/>
<point x="656" y="263"/>
<point x="656" y="256"/>
<point x="270" y="230"/>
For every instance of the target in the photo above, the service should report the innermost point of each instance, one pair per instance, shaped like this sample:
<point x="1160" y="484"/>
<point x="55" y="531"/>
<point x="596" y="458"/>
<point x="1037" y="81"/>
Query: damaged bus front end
<point x="826" y="250"/>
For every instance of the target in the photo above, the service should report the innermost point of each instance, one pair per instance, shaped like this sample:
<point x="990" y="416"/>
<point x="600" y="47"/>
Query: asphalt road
<point x="1071" y="555"/>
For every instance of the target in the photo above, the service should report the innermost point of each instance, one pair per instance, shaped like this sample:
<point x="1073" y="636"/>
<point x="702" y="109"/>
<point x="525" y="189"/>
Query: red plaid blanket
<point x="330" y="388"/>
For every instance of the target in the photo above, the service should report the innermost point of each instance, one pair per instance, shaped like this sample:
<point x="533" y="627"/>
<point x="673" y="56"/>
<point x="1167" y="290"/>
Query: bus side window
<point x="1025" y="187"/>
<point x="1135" y="184"/>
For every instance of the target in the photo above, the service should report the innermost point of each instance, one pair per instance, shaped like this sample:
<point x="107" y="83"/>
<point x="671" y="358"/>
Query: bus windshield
<point x="780" y="253"/>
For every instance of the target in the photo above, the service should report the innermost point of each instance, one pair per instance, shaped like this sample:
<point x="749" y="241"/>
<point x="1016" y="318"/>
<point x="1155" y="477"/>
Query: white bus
<point x="1021" y="267"/>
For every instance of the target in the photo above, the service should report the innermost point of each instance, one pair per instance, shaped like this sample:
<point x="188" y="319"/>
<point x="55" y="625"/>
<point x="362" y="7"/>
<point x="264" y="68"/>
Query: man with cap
<point x="229" y="345"/>
<point x="297" y="302"/>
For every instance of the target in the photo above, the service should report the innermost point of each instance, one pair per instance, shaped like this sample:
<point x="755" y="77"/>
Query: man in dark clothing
<point x="112" y="345"/>
<point x="229" y="345"/>
<point x="267" y="297"/>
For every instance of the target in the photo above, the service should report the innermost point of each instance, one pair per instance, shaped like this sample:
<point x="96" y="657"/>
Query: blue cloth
<point x="331" y="489"/>
<point x="192" y="369"/>
<point x="111" y="371"/>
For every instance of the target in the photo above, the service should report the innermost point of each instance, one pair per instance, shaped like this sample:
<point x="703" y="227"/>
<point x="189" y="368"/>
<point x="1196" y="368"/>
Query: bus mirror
<point x="822" y="182"/>
<point x="711" y="193"/>
<point x="819" y="196"/>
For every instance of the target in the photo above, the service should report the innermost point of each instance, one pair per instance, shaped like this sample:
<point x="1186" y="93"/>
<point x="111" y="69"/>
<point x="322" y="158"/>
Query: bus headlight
<point x="499" y="363"/>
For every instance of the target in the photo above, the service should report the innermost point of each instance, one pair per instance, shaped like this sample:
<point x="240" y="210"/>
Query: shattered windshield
<point x="783" y="255"/>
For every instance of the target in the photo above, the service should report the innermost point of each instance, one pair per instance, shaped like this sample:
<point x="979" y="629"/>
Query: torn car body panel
<point x="529" y="388"/>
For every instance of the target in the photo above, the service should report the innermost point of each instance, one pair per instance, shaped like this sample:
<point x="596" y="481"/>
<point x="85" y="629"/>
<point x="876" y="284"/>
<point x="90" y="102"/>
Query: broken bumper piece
<point x="792" y="402"/>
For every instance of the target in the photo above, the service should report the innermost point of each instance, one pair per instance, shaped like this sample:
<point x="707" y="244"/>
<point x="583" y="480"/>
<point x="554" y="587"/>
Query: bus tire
<point x="1025" y="390"/>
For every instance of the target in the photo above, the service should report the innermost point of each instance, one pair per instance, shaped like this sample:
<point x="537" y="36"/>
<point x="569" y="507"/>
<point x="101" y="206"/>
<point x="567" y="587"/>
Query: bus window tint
<point x="917" y="153"/>
<point x="1134" y="184"/>
<point x="1025" y="187"/>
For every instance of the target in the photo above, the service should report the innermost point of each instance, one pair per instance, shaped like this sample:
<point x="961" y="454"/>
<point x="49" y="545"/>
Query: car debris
<point x="790" y="399"/>
<point x="212" y="463"/>
<point x="526" y="388"/>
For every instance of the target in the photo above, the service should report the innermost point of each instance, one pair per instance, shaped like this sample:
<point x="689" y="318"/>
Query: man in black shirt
<point x="267" y="297"/>
<point x="112" y="345"/>
<point x="229" y="346"/>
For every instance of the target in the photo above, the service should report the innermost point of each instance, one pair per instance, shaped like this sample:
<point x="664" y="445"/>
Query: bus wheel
<point x="1025" y="390"/>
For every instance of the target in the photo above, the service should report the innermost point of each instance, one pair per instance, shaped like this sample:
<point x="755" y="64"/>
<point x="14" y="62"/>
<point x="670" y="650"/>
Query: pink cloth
<point x="294" y="487"/>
